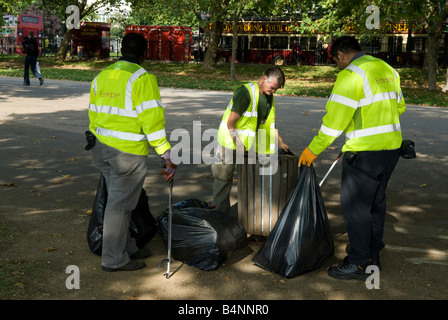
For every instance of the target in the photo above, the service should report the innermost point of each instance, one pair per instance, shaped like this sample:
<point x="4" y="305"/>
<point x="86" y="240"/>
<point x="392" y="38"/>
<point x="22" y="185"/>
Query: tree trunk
<point x="446" y="86"/>
<point x="431" y="57"/>
<point x="436" y="26"/>
<point x="65" y="43"/>
<point x="234" y="48"/>
<point x="409" y="44"/>
<point x="212" y="49"/>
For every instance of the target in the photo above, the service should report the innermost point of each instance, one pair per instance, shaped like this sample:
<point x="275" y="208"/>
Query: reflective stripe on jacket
<point x="247" y="125"/>
<point x="365" y="104"/>
<point x="267" y="134"/>
<point x="126" y="111"/>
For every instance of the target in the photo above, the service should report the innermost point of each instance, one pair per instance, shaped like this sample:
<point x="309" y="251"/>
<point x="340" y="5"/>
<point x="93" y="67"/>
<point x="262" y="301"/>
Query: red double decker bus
<point x="16" y="30"/>
<point x="267" y="42"/>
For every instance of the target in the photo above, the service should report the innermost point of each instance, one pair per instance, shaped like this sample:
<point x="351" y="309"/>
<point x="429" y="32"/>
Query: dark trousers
<point x="30" y="62"/>
<point x="363" y="201"/>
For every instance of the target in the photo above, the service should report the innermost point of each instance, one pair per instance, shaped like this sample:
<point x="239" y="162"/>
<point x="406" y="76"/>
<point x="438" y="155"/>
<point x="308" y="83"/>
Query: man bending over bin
<point x="248" y="122"/>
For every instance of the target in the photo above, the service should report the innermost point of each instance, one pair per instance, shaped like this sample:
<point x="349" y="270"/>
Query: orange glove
<point x="307" y="157"/>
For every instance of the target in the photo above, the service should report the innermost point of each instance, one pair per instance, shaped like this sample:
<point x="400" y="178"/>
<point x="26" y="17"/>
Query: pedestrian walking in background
<point x="32" y="52"/>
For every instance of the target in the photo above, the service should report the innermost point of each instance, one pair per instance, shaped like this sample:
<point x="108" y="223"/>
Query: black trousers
<point x="363" y="201"/>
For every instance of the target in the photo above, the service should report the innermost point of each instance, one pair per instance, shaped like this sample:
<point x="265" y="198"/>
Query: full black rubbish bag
<point x="142" y="226"/>
<point x="201" y="236"/>
<point x="301" y="239"/>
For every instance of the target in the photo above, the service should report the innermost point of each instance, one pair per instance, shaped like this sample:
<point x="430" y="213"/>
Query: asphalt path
<point x="42" y="129"/>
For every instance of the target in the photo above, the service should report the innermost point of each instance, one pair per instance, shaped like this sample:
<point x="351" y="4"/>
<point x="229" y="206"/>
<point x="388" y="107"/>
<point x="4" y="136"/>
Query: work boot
<point x="348" y="271"/>
<point x="372" y="261"/>
<point x="134" y="264"/>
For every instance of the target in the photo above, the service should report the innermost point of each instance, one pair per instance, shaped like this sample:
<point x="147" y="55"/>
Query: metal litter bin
<point x="261" y="197"/>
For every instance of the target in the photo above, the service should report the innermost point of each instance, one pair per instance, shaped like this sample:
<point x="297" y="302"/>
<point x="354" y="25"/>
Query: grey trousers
<point x="124" y="174"/>
<point x="222" y="170"/>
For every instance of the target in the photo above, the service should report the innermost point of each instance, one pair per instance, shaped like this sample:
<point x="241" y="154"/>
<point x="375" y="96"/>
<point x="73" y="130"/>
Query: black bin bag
<point x="142" y="226"/>
<point x="201" y="236"/>
<point x="301" y="240"/>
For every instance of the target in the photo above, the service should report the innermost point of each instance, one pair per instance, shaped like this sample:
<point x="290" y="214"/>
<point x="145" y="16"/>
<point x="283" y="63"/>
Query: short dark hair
<point x="345" y="44"/>
<point x="276" y="72"/>
<point x="133" y="44"/>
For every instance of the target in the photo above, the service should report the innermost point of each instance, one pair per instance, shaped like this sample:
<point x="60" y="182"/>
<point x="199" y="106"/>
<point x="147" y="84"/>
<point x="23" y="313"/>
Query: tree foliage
<point x="8" y="7"/>
<point x="52" y="22"/>
<point x="13" y="7"/>
<point x="211" y="15"/>
<point x="339" y="17"/>
<point x="208" y="14"/>
<point x="85" y="8"/>
<point x="156" y="13"/>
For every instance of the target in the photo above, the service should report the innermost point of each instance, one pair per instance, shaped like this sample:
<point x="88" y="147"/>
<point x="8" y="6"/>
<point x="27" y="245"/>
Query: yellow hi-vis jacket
<point x="126" y="111"/>
<point x="365" y="104"/>
<point x="264" y="135"/>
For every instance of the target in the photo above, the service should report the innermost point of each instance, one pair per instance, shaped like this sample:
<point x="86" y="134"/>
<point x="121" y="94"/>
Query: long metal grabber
<point x="331" y="168"/>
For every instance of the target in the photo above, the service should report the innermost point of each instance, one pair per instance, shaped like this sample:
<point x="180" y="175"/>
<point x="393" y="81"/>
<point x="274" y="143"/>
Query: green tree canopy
<point x="338" y="17"/>
<point x="13" y="7"/>
<point x="85" y="8"/>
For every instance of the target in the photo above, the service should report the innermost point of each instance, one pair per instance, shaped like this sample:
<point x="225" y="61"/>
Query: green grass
<point x="315" y="81"/>
<point x="17" y="276"/>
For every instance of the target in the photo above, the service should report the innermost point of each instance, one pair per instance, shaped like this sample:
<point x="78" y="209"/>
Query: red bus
<point x="165" y="43"/>
<point x="16" y="30"/>
<point x="267" y="42"/>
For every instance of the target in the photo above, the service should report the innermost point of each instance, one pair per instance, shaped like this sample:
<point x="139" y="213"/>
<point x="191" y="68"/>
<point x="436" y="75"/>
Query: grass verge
<point x="18" y="277"/>
<point x="311" y="81"/>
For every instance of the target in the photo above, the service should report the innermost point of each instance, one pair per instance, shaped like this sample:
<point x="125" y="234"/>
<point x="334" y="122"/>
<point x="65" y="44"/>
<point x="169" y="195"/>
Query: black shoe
<point x="41" y="81"/>
<point x="372" y="261"/>
<point x="348" y="271"/>
<point x="134" y="264"/>
<point x="141" y="254"/>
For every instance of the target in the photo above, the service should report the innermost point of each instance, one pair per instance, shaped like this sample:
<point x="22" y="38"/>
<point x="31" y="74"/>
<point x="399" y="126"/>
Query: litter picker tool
<point x="170" y="224"/>
<point x="331" y="168"/>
